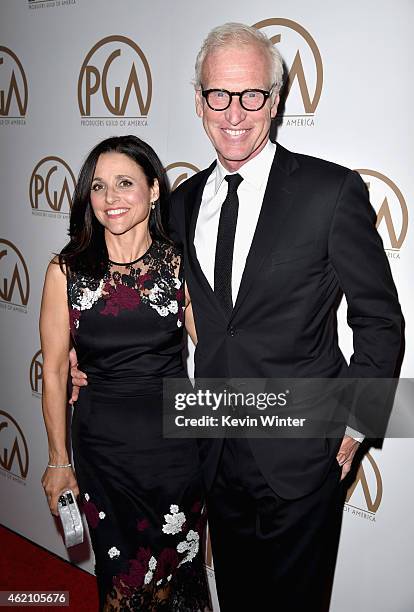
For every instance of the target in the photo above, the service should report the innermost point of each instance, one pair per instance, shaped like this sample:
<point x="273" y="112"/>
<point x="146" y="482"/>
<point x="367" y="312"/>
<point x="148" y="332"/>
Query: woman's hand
<point x="55" y="481"/>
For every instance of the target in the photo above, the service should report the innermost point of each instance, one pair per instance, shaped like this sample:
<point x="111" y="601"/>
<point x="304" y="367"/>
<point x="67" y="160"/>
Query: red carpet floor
<point x="25" y="566"/>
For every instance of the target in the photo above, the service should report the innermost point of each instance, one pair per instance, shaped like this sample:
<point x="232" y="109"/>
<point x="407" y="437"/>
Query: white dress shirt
<point x="251" y="192"/>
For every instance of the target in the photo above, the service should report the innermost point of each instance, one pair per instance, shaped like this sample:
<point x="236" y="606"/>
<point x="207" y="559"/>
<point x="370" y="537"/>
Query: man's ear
<point x="273" y="109"/>
<point x="199" y="103"/>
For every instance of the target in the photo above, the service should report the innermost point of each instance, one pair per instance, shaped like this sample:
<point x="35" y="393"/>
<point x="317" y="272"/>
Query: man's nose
<point x="235" y="113"/>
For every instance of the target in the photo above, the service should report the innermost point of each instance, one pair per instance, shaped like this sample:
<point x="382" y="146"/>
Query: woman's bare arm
<point x="55" y="337"/>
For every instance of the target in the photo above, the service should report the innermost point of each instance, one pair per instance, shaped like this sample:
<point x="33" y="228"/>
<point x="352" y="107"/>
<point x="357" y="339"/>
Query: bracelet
<point x="57" y="465"/>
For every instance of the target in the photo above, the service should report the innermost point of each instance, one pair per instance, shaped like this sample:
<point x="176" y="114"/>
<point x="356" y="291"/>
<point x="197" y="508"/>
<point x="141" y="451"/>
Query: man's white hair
<point x="235" y="34"/>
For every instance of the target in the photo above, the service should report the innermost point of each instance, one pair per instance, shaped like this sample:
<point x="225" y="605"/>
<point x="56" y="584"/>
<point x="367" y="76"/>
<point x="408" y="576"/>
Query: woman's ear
<point x="155" y="191"/>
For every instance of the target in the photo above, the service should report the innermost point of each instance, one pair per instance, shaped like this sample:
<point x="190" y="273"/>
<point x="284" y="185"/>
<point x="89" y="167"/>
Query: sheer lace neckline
<point x="131" y="263"/>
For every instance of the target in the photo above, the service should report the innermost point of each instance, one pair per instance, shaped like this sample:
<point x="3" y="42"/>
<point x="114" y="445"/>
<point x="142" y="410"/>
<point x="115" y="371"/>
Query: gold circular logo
<point x="14" y="275"/>
<point x="306" y="66"/>
<point x="179" y="172"/>
<point x="36" y="373"/>
<point x="13" y="85"/>
<point x="115" y="79"/>
<point x="51" y="185"/>
<point x="368" y="496"/>
<point x="14" y="454"/>
<point x="390" y="206"/>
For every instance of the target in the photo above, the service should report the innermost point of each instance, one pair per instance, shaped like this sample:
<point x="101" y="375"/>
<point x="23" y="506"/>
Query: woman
<point x="117" y="288"/>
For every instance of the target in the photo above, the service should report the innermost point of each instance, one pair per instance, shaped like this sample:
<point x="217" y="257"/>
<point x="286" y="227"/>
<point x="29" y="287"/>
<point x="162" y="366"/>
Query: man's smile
<point x="234" y="132"/>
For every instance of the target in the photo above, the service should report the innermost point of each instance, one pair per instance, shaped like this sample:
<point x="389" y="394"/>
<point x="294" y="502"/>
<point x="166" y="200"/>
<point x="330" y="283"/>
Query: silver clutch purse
<point x="71" y="519"/>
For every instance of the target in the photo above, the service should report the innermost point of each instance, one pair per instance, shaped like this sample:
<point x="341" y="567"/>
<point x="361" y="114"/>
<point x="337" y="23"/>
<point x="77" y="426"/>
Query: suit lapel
<point x="193" y="203"/>
<point x="275" y="207"/>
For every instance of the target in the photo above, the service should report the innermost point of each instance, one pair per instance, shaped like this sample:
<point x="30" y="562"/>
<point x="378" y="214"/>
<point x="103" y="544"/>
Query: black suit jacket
<point x="315" y="238"/>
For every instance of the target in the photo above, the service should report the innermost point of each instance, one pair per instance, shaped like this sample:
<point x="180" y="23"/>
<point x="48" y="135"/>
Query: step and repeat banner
<point x="73" y="72"/>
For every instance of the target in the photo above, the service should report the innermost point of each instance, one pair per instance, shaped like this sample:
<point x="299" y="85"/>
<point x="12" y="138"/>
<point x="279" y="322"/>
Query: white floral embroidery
<point x="156" y="294"/>
<point x="114" y="552"/>
<point x="84" y="297"/>
<point x="173" y="521"/>
<point x="164" y="311"/>
<point x="173" y="306"/>
<point x="169" y="578"/>
<point x="87" y="497"/>
<point x="189" y="545"/>
<point x="152" y="564"/>
<point x="102" y="515"/>
<point x="90" y="296"/>
<point x="179" y="323"/>
<point x="148" y="577"/>
<point x="159" y="582"/>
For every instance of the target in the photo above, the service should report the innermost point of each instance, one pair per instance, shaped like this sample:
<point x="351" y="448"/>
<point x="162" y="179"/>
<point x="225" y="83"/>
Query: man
<point x="272" y="238"/>
<point x="304" y="232"/>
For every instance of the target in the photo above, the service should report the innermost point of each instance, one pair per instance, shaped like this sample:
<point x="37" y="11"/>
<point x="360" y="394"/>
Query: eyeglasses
<point x="250" y="99"/>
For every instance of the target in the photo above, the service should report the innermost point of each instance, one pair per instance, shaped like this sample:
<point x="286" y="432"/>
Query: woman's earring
<point x="152" y="205"/>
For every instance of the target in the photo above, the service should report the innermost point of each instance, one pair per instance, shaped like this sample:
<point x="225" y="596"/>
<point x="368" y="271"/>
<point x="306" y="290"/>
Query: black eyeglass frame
<point x="266" y="95"/>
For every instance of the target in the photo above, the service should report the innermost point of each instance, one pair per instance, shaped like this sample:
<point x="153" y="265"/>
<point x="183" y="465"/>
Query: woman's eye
<point x="96" y="187"/>
<point x="125" y="183"/>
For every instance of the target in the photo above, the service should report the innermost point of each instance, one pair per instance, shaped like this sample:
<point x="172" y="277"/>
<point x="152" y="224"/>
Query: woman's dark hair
<point x="86" y="250"/>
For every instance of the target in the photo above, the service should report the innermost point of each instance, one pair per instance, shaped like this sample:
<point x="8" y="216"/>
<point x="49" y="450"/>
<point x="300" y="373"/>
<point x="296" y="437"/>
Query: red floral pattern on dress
<point x="74" y="316"/>
<point x="167" y="563"/>
<point x="196" y="508"/>
<point x="143" y="278"/>
<point x="91" y="513"/>
<point x="119" y="298"/>
<point x="179" y="295"/>
<point x="143" y="524"/>
<point x="134" y="579"/>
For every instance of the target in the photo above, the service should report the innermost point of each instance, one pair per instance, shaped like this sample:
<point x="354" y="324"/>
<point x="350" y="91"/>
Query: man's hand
<point x="79" y="378"/>
<point x="346" y="453"/>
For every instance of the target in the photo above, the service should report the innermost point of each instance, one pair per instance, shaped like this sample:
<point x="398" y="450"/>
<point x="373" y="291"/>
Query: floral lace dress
<point x="141" y="493"/>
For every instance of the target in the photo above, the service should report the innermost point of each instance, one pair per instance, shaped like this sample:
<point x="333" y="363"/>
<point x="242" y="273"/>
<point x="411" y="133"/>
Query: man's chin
<point x="236" y="157"/>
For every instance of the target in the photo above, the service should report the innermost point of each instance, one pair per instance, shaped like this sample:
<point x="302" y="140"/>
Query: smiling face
<point x="120" y="195"/>
<point x="237" y="135"/>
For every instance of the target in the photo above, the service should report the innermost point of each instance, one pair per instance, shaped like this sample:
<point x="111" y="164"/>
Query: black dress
<point x="141" y="493"/>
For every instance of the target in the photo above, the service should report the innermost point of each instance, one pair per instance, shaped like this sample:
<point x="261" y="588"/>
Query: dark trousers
<point x="271" y="554"/>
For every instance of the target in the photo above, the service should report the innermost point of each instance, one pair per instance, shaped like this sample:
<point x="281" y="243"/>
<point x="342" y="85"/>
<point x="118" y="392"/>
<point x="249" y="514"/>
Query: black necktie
<point x="223" y="263"/>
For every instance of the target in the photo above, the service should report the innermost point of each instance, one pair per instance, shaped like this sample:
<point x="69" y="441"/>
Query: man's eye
<point x="220" y="94"/>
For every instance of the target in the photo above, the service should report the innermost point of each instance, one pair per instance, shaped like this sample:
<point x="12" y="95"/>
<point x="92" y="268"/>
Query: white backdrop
<point x="350" y="102"/>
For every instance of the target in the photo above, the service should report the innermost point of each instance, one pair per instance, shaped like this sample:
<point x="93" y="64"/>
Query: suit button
<point x="232" y="331"/>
